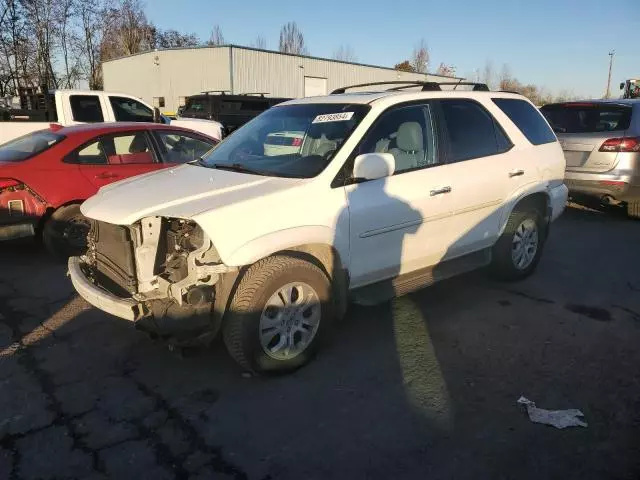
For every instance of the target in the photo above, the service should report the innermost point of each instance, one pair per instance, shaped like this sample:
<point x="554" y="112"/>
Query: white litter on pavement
<point x="556" y="418"/>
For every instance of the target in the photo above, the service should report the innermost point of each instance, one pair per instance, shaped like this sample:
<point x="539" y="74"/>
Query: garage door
<point x="314" y="86"/>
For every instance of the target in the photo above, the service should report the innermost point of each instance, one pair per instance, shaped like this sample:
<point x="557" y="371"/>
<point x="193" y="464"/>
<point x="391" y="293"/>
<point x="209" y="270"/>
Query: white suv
<point x="385" y="192"/>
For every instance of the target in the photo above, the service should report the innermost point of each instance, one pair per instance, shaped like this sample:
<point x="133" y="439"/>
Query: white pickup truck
<point x="70" y="107"/>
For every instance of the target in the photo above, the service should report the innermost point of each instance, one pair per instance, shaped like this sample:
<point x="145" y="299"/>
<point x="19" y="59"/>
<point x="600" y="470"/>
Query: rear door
<point x="114" y="157"/>
<point x="482" y="173"/>
<point x="584" y="127"/>
<point x="84" y="108"/>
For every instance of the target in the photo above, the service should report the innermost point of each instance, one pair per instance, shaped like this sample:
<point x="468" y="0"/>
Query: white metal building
<point x="164" y="77"/>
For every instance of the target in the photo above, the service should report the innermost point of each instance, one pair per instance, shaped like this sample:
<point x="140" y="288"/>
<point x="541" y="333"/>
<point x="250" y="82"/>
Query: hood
<point x="181" y="192"/>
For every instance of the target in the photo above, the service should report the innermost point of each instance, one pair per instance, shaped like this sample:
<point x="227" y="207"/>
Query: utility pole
<point x="611" y="54"/>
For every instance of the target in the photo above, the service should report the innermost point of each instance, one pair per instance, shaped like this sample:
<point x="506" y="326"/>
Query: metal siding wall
<point x="178" y="73"/>
<point x="283" y="75"/>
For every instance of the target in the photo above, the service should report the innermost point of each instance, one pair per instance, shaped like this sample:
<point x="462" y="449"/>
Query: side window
<point x="86" y="108"/>
<point x="527" y="118"/>
<point x="127" y="148"/>
<point x="471" y="131"/>
<point x="91" y="154"/>
<point x="408" y="134"/>
<point x="182" y="148"/>
<point x="130" y="110"/>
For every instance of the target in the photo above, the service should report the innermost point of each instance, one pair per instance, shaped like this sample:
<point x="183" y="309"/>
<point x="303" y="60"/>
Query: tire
<point x="65" y="232"/>
<point x="505" y="263"/>
<point x="633" y="209"/>
<point x="250" y="322"/>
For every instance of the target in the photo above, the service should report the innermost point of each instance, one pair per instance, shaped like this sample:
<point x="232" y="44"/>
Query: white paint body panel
<point x="12" y="130"/>
<point x="380" y="228"/>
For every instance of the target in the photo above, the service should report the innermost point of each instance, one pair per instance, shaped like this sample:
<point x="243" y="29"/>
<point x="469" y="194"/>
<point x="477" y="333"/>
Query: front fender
<point x="290" y="238"/>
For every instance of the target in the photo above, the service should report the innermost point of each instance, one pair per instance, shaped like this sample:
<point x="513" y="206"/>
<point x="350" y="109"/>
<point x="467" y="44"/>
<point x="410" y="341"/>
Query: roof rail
<point x="426" y="86"/>
<point x="262" y="94"/>
<point x="207" y="92"/>
<point x="477" y="86"/>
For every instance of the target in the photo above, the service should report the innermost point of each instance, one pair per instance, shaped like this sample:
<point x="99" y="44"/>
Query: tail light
<point x="621" y="145"/>
<point x="8" y="183"/>
<point x="296" y="142"/>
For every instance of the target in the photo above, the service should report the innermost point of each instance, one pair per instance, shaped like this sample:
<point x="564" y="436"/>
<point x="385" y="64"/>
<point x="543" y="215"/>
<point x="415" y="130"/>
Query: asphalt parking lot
<point x="422" y="387"/>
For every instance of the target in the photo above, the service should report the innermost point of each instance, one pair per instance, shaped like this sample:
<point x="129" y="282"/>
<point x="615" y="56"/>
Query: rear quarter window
<point x="528" y="120"/>
<point x="29" y="145"/>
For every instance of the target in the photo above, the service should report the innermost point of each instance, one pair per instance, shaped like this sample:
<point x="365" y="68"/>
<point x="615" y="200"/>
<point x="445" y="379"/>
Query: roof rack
<point x="426" y="86"/>
<point x="207" y="92"/>
<point x="262" y="94"/>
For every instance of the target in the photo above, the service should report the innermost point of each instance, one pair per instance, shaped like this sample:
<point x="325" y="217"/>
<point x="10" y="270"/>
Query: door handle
<point x="103" y="176"/>
<point x="516" y="173"/>
<point x="440" y="191"/>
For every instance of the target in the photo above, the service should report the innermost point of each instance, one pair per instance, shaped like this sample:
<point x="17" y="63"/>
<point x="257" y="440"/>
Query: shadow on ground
<point x="421" y="387"/>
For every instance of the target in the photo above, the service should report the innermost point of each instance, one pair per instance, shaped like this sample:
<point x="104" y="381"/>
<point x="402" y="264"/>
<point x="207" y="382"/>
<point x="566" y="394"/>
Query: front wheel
<point x="518" y="250"/>
<point x="65" y="232"/>
<point x="279" y="315"/>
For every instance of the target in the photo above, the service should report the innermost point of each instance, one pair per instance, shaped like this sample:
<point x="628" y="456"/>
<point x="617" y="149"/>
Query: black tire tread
<point x="253" y="280"/>
<point x="502" y="266"/>
<point x="61" y="214"/>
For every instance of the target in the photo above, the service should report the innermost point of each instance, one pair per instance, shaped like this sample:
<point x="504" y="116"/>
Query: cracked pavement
<point x="424" y="386"/>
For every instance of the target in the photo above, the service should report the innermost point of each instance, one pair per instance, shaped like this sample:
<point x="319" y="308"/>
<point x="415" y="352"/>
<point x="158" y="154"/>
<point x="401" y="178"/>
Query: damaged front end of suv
<point x="162" y="273"/>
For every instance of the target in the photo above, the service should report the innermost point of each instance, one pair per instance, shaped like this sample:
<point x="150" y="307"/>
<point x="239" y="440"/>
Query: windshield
<point x="28" y="145"/>
<point x="587" y="117"/>
<point x="290" y="141"/>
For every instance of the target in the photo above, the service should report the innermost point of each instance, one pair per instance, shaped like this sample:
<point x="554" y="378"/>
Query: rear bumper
<point x="625" y="188"/>
<point x="17" y="230"/>
<point x="558" y="200"/>
<point x="125" y="308"/>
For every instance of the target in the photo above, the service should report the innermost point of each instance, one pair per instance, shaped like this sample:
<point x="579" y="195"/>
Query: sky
<point x="556" y="44"/>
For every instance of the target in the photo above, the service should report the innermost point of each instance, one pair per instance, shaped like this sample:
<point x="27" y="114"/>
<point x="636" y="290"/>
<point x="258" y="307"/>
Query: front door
<point x="399" y="224"/>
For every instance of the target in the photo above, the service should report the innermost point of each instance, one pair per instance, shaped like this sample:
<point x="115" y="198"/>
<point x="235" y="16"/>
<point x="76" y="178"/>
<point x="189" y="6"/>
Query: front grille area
<point x="111" y="251"/>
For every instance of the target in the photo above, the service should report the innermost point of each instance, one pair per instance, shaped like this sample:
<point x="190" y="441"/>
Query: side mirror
<point x="622" y="86"/>
<point x="157" y="118"/>
<point x="371" y="166"/>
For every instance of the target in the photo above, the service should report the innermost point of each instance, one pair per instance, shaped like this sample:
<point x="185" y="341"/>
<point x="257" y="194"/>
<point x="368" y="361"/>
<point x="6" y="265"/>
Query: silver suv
<point x="601" y="143"/>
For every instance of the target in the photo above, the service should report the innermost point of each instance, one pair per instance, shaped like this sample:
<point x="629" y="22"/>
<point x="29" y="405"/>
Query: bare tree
<point x="420" y="57"/>
<point x="345" y="53"/>
<point x="446" y="70"/>
<point x="175" y="39"/>
<point x="217" y="38"/>
<point x="67" y="37"/>
<point x="292" y="40"/>
<point x="487" y="75"/>
<point x="92" y="18"/>
<point x="133" y="30"/>
<point x="39" y="19"/>
<point x="260" y="42"/>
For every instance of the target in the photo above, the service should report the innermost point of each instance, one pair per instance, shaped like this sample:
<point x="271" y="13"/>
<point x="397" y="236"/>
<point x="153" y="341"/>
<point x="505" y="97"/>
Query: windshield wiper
<point x="236" y="167"/>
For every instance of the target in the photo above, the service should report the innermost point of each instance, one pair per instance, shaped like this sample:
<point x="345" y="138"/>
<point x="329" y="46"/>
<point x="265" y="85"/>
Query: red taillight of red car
<point x="621" y="145"/>
<point x="9" y="183"/>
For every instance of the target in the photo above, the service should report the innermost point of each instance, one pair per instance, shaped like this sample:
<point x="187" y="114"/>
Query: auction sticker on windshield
<point x="333" y="117"/>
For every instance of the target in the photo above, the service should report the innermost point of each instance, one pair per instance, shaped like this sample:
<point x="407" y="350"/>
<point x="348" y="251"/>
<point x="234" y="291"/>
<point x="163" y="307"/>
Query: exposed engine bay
<point x="168" y="265"/>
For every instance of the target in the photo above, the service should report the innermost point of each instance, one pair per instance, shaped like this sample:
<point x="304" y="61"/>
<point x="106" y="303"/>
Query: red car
<point x="46" y="175"/>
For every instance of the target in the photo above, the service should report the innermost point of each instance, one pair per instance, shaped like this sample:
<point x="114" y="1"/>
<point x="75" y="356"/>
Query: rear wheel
<point x="518" y="250"/>
<point x="633" y="209"/>
<point x="279" y="315"/>
<point x="65" y="232"/>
